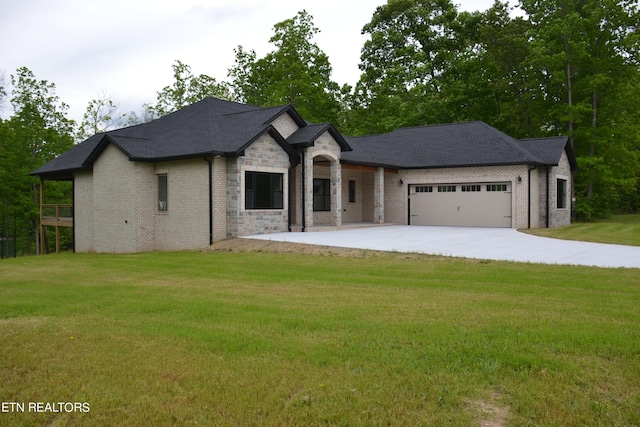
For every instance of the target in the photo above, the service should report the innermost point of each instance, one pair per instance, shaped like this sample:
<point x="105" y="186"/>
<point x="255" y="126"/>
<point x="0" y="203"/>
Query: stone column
<point x="336" y="194"/>
<point x="307" y="197"/>
<point x="378" y="197"/>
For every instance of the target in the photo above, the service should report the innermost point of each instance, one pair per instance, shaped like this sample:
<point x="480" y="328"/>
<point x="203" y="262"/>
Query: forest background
<point x="566" y="67"/>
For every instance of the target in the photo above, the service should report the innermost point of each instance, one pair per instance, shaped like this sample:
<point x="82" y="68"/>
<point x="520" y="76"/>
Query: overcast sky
<point x="126" y="48"/>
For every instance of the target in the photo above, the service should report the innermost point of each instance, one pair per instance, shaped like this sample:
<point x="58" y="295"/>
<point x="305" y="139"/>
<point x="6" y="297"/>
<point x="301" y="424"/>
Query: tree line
<point x="566" y="67"/>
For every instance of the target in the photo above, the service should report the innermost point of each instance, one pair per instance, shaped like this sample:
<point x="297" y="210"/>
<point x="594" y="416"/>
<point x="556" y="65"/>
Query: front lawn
<point x="191" y="338"/>
<point x="619" y="229"/>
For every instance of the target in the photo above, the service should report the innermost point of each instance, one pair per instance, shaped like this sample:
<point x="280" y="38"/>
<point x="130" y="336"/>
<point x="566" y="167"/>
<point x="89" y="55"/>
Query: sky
<point x="125" y="49"/>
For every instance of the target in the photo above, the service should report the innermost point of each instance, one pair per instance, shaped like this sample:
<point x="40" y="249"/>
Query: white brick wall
<point x="117" y="188"/>
<point x="185" y="224"/>
<point x="285" y="125"/>
<point x="117" y="212"/>
<point x="83" y="211"/>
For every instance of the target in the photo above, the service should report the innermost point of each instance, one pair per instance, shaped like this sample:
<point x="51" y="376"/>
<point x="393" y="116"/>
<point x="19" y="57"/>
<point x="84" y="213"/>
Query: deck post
<point x="57" y="230"/>
<point x="41" y="226"/>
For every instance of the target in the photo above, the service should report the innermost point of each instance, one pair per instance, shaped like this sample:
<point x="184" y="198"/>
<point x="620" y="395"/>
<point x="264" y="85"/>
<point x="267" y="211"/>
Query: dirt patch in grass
<point x="257" y="245"/>
<point x="491" y="412"/>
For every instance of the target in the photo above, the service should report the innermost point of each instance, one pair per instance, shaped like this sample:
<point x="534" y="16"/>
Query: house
<point x="218" y="169"/>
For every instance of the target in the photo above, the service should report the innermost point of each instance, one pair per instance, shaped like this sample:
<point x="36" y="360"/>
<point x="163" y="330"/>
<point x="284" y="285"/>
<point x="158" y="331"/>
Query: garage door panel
<point x="477" y="208"/>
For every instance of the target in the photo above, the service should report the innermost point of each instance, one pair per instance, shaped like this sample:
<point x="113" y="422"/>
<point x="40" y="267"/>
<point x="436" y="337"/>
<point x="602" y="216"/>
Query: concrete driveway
<point x="469" y="242"/>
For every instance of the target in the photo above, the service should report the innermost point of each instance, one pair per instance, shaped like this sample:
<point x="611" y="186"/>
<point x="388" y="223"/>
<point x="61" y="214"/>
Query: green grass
<point x="620" y="229"/>
<point x="231" y="339"/>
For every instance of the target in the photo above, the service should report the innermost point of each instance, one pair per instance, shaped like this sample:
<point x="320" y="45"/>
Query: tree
<point x="3" y="91"/>
<point x="100" y="117"/>
<point x="492" y="79"/>
<point x="186" y="89"/>
<point x="297" y="72"/>
<point x="409" y="63"/>
<point x="36" y="133"/>
<point x="587" y="51"/>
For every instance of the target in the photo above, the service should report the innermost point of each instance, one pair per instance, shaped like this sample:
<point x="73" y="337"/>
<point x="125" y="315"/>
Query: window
<point x="424" y="189"/>
<point x="562" y="194"/>
<point x="263" y="190"/>
<point x="321" y="194"/>
<point x="497" y="187"/>
<point x="446" y="188"/>
<point x="162" y="193"/>
<point x="352" y="191"/>
<point x="471" y="188"/>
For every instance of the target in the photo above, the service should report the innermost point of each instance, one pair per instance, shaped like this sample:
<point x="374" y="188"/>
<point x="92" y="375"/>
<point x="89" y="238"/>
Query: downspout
<point x="408" y="204"/>
<point x="289" y="195"/>
<point x="529" y="196"/>
<point x="73" y="214"/>
<point x="208" y="160"/>
<point x="304" y="193"/>
<point x="548" y="195"/>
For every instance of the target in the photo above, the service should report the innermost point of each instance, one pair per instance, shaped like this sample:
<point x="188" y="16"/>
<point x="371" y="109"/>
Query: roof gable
<point x="307" y="136"/>
<point x="549" y="150"/>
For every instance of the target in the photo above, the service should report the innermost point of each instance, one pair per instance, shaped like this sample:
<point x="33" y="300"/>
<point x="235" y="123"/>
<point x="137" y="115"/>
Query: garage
<point x="473" y="205"/>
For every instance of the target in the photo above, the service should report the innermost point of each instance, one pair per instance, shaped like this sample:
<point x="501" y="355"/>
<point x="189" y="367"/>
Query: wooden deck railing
<point x="57" y="215"/>
<point x="60" y="215"/>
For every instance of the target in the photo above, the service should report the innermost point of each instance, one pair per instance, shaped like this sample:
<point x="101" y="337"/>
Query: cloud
<point x="127" y="47"/>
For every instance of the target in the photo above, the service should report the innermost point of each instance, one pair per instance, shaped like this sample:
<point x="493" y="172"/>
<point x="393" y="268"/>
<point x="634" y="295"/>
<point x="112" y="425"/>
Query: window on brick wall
<point x="163" y="200"/>
<point x="321" y="194"/>
<point x="263" y="190"/>
<point x="562" y="194"/>
<point x="352" y="191"/>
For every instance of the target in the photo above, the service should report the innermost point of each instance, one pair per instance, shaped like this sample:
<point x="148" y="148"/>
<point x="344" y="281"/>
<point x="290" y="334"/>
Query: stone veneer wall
<point x="328" y="148"/>
<point x="264" y="155"/>
<point x="557" y="217"/>
<point x="219" y="197"/>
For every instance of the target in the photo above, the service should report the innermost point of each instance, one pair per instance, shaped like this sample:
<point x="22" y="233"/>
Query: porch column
<point x="336" y="194"/>
<point x="307" y="197"/>
<point x="378" y="197"/>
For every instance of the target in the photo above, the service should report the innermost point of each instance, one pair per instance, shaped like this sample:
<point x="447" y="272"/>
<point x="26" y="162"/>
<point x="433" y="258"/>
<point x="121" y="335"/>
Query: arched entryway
<point x="323" y="190"/>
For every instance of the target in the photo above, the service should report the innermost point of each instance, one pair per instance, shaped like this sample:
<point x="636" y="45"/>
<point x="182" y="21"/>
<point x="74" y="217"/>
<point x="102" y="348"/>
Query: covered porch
<point x="327" y="195"/>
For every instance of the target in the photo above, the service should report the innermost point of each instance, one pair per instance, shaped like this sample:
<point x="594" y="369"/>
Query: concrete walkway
<point x="482" y="243"/>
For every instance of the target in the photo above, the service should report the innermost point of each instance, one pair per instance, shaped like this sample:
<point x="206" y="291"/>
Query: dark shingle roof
<point x="209" y="127"/>
<point x="306" y="136"/>
<point x="217" y="127"/>
<point x="549" y="150"/>
<point x="444" y="146"/>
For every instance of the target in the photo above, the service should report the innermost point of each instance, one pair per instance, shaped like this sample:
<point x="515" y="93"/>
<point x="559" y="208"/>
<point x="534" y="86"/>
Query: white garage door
<point x="472" y="205"/>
